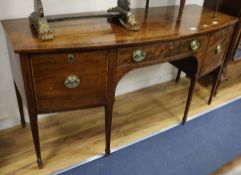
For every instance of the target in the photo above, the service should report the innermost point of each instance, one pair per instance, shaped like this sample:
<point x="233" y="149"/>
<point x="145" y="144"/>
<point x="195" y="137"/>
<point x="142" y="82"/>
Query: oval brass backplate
<point x="71" y="59"/>
<point x="72" y="81"/>
<point x="195" y="45"/>
<point x="139" y="55"/>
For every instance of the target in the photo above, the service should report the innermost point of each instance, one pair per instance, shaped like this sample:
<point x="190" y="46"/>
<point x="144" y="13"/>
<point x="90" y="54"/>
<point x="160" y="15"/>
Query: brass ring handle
<point x="219" y="49"/>
<point x="139" y="55"/>
<point x="195" y="45"/>
<point x="72" y="81"/>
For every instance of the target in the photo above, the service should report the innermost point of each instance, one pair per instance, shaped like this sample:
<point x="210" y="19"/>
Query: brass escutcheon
<point x="171" y="45"/>
<point x="219" y="49"/>
<point x="71" y="59"/>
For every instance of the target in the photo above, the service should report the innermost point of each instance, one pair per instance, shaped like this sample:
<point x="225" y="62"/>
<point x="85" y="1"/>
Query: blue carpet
<point x="238" y="53"/>
<point x="198" y="148"/>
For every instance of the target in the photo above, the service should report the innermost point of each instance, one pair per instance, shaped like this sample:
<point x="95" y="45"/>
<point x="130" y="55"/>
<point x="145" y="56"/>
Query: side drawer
<point x="216" y="50"/>
<point x="165" y="51"/>
<point x="69" y="81"/>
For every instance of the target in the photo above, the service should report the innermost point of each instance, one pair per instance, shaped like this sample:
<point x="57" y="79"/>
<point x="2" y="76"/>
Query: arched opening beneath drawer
<point x="187" y="65"/>
<point x="144" y="77"/>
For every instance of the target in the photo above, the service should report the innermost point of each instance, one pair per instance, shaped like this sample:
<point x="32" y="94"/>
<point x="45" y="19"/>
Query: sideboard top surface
<point x="159" y="24"/>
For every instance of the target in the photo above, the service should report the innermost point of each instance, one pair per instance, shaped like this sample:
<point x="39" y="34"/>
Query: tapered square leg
<point x="216" y="90"/>
<point x="147" y="4"/>
<point x="189" y="98"/>
<point x="20" y="106"/>
<point x="35" y="134"/>
<point x="178" y="75"/>
<point x="108" y="124"/>
<point x="182" y="4"/>
<point x="215" y="86"/>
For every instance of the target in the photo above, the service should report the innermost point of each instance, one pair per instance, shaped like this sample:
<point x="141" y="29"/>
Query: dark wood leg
<point x="147" y="4"/>
<point x="220" y="79"/>
<point x="178" y="75"/>
<point x="216" y="83"/>
<point x="216" y="8"/>
<point x="189" y="99"/>
<point x="216" y="91"/>
<point x="35" y="134"/>
<point x="108" y="124"/>
<point x="182" y="4"/>
<point x="110" y="100"/>
<point x="32" y="109"/>
<point x="20" y="106"/>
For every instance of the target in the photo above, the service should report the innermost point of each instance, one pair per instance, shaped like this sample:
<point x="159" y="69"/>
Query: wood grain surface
<point x="51" y="70"/>
<point x="159" y="24"/>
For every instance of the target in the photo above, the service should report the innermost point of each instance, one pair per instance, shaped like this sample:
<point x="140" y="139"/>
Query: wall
<point x="9" y="115"/>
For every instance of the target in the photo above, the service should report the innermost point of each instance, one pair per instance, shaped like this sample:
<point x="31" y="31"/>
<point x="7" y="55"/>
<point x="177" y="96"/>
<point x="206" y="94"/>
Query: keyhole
<point x="71" y="59"/>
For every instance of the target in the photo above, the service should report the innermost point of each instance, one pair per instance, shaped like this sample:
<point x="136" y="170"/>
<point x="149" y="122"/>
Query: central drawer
<point x="69" y="81"/>
<point x="165" y="51"/>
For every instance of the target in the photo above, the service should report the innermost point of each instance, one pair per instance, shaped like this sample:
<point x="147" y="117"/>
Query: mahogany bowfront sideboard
<point x="82" y="66"/>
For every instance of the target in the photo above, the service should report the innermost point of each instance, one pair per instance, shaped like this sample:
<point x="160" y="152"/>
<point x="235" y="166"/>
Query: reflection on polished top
<point x="158" y="24"/>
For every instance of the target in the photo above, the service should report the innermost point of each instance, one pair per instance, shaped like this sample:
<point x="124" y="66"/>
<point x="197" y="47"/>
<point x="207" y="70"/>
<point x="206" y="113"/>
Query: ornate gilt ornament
<point x="41" y="23"/>
<point x="127" y="19"/>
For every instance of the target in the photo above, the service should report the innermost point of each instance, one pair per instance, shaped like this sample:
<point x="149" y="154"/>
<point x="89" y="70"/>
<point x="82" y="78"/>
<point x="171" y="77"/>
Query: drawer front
<point x="69" y="81"/>
<point x="165" y="51"/>
<point x="216" y="50"/>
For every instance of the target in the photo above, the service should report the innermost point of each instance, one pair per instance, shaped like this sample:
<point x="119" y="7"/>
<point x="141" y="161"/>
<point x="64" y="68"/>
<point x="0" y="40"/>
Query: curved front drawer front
<point x="161" y="51"/>
<point x="61" y="84"/>
<point x="217" y="47"/>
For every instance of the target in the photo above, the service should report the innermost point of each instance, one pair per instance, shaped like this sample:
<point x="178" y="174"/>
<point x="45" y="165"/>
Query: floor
<point x="231" y="168"/>
<point x="68" y="138"/>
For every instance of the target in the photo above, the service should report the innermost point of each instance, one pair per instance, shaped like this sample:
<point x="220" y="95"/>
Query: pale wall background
<point x="9" y="115"/>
